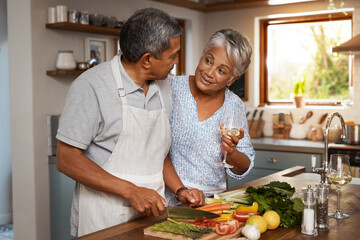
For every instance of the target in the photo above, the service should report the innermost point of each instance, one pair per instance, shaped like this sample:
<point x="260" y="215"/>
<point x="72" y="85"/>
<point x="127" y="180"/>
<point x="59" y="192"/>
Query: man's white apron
<point x="138" y="157"/>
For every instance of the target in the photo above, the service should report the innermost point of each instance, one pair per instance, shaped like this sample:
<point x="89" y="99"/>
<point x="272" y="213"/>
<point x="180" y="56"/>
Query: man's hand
<point x="147" y="202"/>
<point x="191" y="197"/>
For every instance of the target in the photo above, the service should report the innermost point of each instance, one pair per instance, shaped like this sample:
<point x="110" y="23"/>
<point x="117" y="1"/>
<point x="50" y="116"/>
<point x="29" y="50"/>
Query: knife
<point x="252" y="119"/>
<point x="188" y="213"/>
<point x="259" y="122"/>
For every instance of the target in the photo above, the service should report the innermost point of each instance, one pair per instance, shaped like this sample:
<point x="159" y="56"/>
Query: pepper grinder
<point x="322" y="206"/>
<point x="308" y="225"/>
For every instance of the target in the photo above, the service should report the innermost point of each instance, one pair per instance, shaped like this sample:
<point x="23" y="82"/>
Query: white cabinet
<point x="269" y="162"/>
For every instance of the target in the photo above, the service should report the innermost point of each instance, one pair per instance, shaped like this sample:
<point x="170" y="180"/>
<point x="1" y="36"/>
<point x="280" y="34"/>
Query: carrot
<point x="210" y="205"/>
<point x="217" y="212"/>
<point x="226" y="206"/>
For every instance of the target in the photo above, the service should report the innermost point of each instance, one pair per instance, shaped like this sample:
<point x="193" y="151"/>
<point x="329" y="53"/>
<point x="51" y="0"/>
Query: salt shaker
<point x="308" y="225"/>
<point x="322" y="206"/>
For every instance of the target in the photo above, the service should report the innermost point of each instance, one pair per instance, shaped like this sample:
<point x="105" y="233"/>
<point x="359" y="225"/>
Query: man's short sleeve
<point x="78" y="123"/>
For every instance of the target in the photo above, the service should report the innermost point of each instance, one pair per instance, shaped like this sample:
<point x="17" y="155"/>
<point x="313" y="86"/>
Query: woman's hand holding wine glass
<point x="230" y="123"/>
<point x="339" y="174"/>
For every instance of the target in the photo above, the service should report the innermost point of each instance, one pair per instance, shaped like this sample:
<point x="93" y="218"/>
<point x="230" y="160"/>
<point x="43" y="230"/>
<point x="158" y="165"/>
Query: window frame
<point x="263" y="73"/>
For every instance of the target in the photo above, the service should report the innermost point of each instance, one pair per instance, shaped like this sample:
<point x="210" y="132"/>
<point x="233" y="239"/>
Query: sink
<point x="314" y="176"/>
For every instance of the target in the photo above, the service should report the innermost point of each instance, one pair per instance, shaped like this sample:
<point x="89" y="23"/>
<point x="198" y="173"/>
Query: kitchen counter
<point x="288" y="145"/>
<point x="339" y="229"/>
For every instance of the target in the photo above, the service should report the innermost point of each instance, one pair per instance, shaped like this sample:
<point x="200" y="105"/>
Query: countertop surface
<point x="339" y="229"/>
<point x="289" y="145"/>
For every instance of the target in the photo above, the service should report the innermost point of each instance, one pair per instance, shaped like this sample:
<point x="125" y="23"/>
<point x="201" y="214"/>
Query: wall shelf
<point x="64" y="72"/>
<point x="84" y="28"/>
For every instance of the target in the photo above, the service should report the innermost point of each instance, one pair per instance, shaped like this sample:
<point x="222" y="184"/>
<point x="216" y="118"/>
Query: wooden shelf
<point x="64" y="72"/>
<point x="84" y="28"/>
<point x="220" y="6"/>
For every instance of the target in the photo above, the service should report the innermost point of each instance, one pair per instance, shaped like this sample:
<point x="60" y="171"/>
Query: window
<point x="299" y="48"/>
<point x="179" y="69"/>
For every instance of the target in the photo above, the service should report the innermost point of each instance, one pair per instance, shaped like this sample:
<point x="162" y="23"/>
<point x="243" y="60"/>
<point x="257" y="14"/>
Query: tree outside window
<point x="300" y="48"/>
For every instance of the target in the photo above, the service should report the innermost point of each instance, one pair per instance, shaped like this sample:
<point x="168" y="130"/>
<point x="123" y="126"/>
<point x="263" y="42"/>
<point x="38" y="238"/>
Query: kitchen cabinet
<point x="269" y="162"/>
<point x="79" y="28"/>
<point x="61" y="193"/>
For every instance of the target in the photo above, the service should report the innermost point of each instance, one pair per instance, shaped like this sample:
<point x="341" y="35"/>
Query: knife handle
<point x="261" y="113"/>
<point x="254" y="114"/>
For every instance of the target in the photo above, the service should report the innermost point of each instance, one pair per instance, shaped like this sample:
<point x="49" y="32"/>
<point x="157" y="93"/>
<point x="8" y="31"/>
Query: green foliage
<point x="276" y="196"/>
<point x="327" y="74"/>
<point x="299" y="87"/>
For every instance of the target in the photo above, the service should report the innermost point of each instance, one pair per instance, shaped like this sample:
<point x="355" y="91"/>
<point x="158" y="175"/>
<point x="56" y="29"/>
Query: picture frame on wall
<point x="97" y="51"/>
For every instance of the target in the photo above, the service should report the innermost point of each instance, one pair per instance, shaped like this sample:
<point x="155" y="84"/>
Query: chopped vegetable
<point x="225" y="217"/>
<point x="238" y="195"/>
<point x="243" y="216"/>
<point x="181" y="228"/>
<point x="209" y="205"/>
<point x="228" y="227"/>
<point x="253" y="208"/>
<point x="276" y="196"/>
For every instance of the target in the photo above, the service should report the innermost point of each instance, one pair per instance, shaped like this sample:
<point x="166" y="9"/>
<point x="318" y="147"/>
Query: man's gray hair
<point x="238" y="48"/>
<point x="149" y="30"/>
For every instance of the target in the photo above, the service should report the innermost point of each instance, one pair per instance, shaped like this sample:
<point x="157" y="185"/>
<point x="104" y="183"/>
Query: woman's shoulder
<point x="233" y="99"/>
<point x="177" y="79"/>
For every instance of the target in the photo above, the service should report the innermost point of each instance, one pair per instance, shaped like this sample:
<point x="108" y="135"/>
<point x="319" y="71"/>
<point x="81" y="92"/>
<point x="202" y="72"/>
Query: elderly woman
<point x="198" y="104"/>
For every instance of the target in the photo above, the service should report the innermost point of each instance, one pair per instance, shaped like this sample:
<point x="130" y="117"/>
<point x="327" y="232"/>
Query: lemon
<point x="253" y="208"/>
<point x="260" y="222"/>
<point x="272" y="218"/>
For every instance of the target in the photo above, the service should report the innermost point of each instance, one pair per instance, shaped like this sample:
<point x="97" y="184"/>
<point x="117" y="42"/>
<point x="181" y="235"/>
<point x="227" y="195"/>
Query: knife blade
<point x="189" y="213"/>
<point x="252" y="119"/>
<point x="259" y="122"/>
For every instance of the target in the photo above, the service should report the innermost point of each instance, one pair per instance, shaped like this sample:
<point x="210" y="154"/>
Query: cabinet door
<point x="284" y="160"/>
<point x="61" y="193"/>
<point x="269" y="162"/>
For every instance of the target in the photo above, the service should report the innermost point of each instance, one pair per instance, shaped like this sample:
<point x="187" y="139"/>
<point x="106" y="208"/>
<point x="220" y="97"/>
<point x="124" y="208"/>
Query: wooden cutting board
<point x="209" y="236"/>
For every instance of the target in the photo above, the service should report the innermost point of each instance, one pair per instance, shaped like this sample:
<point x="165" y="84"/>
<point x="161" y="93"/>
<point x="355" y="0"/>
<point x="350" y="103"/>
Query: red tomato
<point x="222" y="229"/>
<point x="234" y="225"/>
<point x="243" y="216"/>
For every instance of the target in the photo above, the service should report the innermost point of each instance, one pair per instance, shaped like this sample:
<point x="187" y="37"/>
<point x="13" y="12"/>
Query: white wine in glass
<point x="230" y="122"/>
<point x="339" y="174"/>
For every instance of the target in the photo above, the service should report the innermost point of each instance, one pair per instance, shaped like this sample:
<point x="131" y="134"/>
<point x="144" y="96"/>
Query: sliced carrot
<point x="221" y="207"/>
<point x="210" y="205"/>
<point x="226" y="206"/>
<point x="217" y="212"/>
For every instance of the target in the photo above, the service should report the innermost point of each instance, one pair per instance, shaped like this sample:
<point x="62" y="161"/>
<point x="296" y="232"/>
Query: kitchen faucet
<point x="324" y="168"/>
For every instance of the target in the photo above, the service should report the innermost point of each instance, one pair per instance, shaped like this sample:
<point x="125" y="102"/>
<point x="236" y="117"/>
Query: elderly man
<point x="114" y="132"/>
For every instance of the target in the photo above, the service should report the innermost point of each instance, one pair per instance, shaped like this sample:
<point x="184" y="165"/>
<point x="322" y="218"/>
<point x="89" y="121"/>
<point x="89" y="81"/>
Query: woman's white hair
<point x="238" y="48"/>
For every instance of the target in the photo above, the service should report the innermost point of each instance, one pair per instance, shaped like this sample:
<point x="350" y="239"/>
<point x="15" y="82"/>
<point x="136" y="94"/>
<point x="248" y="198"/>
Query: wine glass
<point x="339" y="174"/>
<point x="230" y="122"/>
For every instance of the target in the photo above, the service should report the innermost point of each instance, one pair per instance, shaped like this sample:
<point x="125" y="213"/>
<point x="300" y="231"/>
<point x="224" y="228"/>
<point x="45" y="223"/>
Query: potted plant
<point x="299" y="89"/>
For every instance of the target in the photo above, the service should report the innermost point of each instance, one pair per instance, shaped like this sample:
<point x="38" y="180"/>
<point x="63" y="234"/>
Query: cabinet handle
<point x="271" y="160"/>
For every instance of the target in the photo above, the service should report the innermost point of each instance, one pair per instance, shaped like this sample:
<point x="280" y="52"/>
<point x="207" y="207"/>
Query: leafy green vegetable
<point x="276" y="196"/>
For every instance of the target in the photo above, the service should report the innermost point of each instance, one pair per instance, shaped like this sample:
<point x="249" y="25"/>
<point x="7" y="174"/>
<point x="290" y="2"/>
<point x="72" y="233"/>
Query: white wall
<point x="33" y="94"/>
<point x="5" y="144"/>
<point x="244" y="21"/>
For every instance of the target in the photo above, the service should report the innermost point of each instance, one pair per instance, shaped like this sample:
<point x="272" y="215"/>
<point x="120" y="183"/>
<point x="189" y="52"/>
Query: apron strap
<point x="115" y="66"/>
<point x="160" y="95"/>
